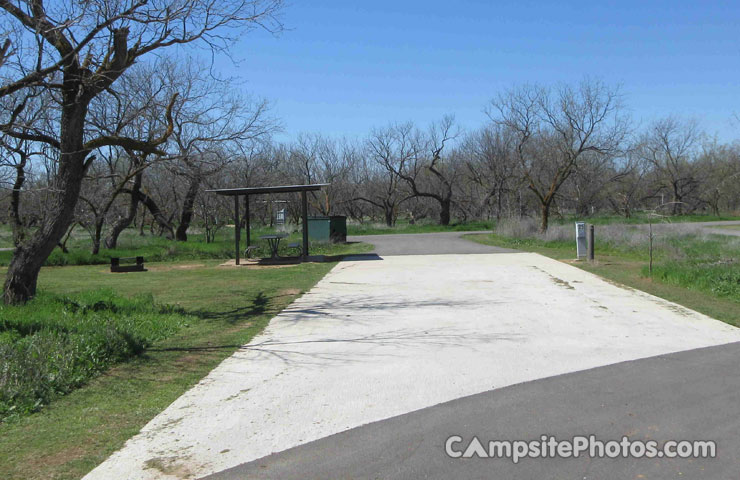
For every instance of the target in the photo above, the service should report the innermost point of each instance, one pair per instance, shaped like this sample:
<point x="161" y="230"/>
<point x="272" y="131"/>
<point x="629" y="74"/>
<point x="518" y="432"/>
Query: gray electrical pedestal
<point x="581" y="244"/>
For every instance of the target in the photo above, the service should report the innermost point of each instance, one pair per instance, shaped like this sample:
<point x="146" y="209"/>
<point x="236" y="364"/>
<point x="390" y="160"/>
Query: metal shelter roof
<point x="262" y="190"/>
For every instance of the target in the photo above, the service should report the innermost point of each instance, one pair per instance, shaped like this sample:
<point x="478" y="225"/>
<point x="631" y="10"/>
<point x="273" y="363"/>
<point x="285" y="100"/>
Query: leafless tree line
<point x="533" y="158"/>
<point x="102" y="135"/>
<point x="543" y="152"/>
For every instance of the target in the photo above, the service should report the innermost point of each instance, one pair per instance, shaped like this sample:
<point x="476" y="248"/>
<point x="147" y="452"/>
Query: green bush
<point x="54" y="344"/>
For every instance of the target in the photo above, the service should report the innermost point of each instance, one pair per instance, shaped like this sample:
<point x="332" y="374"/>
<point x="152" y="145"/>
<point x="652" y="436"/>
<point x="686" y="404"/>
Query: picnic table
<point x="274" y="242"/>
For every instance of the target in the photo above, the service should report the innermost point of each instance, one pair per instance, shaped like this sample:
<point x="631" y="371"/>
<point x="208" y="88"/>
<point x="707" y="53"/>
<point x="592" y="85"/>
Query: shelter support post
<point x="246" y="217"/>
<point x="304" y="202"/>
<point x="237" y="230"/>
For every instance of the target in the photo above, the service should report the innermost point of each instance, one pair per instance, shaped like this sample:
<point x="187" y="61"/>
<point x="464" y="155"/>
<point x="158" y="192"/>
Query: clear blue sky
<point x="342" y="67"/>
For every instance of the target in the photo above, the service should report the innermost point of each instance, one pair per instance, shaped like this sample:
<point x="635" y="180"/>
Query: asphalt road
<point x="441" y="243"/>
<point x="687" y="395"/>
<point x="711" y="227"/>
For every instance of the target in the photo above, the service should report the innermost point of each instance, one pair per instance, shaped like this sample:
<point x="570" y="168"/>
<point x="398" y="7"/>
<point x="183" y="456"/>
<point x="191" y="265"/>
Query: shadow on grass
<point x="258" y="306"/>
<point x="24" y="328"/>
<point x="209" y="348"/>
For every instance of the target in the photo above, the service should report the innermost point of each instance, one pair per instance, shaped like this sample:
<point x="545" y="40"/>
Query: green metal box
<point x="327" y="229"/>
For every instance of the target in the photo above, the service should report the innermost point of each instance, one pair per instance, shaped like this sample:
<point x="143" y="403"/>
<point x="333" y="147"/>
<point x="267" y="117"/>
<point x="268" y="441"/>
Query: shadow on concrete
<point x="361" y="257"/>
<point x="409" y="338"/>
<point x="344" y="307"/>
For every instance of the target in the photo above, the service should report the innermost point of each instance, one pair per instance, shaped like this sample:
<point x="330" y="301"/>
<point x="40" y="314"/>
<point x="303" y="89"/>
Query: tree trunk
<point x="677" y="206"/>
<point x="389" y="220"/>
<point x="97" y="234"/>
<point x="22" y="275"/>
<point x="444" y="212"/>
<point x="143" y="222"/>
<point x="123" y="223"/>
<point x="15" y="202"/>
<point x="63" y="243"/>
<point x="186" y="215"/>
<point x="714" y="204"/>
<point x="545" y="213"/>
<point x="158" y="216"/>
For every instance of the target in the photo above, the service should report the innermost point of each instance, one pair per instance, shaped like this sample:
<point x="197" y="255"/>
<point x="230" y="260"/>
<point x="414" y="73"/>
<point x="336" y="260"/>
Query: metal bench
<point x="116" y="267"/>
<point x="295" y="245"/>
<point x="249" y="250"/>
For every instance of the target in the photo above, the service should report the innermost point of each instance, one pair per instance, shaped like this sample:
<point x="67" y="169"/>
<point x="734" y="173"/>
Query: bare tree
<point x="492" y="165"/>
<point x="719" y="167"/>
<point x="147" y="198"/>
<point x="213" y="210"/>
<point x="417" y="158"/>
<point x="21" y="154"/>
<point x="19" y="158"/>
<point x="625" y="191"/>
<point x="135" y="107"/>
<point x="671" y="146"/>
<point x="75" y="51"/>
<point x="591" y="180"/>
<point x="556" y="129"/>
<point x="388" y="149"/>
<point x="317" y="159"/>
<point x="213" y="127"/>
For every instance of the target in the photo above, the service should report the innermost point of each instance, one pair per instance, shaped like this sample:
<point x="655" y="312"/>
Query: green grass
<point x="421" y="227"/>
<point x="210" y="311"/>
<point x="159" y="249"/>
<point x="710" y="265"/>
<point x="727" y="227"/>
<point x="56" y="343"/>
<point x="698" y="272"/>
<point x="717" y="279"/>
<point x="6" y="236"/>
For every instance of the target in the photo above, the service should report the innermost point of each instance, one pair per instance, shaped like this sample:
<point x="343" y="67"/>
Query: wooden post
<point x="304" y="201"/>
<point x="246" y="216"/>
<point x="591" y="243"/>
<point x="237" y="230"/>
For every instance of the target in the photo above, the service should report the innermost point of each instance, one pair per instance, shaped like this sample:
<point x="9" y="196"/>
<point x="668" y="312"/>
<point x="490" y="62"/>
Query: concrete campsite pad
<point x="380" y="338"/>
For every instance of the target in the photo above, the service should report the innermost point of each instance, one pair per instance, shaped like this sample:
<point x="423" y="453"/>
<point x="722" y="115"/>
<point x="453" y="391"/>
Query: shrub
<point x="54" y="344"/>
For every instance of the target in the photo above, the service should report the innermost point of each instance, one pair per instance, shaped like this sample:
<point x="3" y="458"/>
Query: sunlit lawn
<point x="225" y="307"/>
